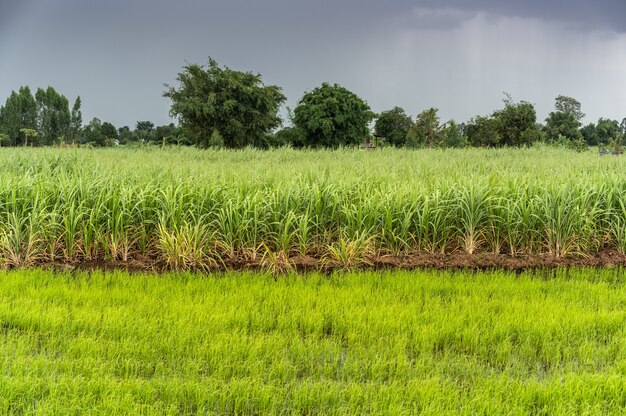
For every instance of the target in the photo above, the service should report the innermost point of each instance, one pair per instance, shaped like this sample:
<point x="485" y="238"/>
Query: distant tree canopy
<point x="47" y="113"/>
<point x="289" y="135"/>
<point x="236" y="104"/>
<point x="569" y="105"/>
<point x="453" y="135"/>
<point x="602" y="133"/>
<point x="220" y="107"/>
<point x="28" y="133"/>
<point x="99" y="133"/>
<point x="483" y="131"/>
<point x="19" y="112"/>
<point x="76" y="121"/>
<point x="53" y="115"/>
<point x="427" y="131"/>
<point x="331" y="116"/>
<point x="514" y="125"/>
<point x="517" y="124"/>
<point x="393" y="125"/>
<point x="92" y="133"/>
<point x="565" y="121"/>
<point x="146" y="126"/>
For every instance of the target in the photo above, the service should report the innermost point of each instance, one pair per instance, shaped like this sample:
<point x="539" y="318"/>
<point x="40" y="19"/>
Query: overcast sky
<point x="456" y="55"/>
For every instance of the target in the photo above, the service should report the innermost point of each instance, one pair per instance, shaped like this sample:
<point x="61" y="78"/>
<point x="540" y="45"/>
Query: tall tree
<point x="164" y="134"/>
<point x="143" y="130"/>
<point x="144" y="126"/>
<point x="28" y="133"/>
<point x="92" y="133"/>
<point x="589" y="134"/>
<point x="453" y="135"/>
<point x="236" y="104"/>
<point x="331" y="116"/>
<point x="607" y="130"/>
<point x="125" y="135"/>
<point x="393" y="125"/>
<point x="53" y="115"/>
<point x="427" y="130"/>
<point x="516" y="123"/>
<point x="76" y="120"/>
<point x="566" y="120"/>
<point x="570" y="106"/>
<point x="28" y="108"/>
<point x="19" y="112"/>
<point x="109" y="132"/>
<point x="483" y="132"/>
<point x="10" y="117"/>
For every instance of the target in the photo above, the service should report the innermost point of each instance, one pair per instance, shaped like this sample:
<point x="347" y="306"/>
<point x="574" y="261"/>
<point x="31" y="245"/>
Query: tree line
<point x="45" y="119"/>
<point x="216" y="106"/>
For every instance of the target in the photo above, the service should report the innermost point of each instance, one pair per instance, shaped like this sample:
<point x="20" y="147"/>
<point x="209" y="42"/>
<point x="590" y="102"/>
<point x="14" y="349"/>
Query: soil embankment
<point x="436" y="261"/>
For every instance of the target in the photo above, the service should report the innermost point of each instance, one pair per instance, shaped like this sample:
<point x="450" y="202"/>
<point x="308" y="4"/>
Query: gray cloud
<point x="584" y="14"/>
<point x="458" y="55"/>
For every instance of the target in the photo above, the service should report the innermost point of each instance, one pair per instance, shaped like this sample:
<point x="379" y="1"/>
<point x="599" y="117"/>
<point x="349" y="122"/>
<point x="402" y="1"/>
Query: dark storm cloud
<point x="609" y="14"/>
<point x="458" y="55"/>
<point x="585" y="14"/>
<point x="8" y="10"/>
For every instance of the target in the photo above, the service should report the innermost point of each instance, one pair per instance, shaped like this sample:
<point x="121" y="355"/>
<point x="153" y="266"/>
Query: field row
<point x="189" y="209"/>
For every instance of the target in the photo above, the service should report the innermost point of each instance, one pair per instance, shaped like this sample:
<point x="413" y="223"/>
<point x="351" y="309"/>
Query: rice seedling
<point x="401" y="343"/>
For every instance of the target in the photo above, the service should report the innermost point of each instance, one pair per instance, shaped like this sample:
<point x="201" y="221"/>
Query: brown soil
<point x="436" y="261"/>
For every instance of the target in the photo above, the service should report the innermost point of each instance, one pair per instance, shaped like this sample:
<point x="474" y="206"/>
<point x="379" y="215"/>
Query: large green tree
<point x="143" y="130"/>
<point x="125" y="135"/>
<point x="589" y="134"/>
<point x="92" y="133"/>
<point x="565" y="121"/>
<point x="516" y="123"/>
<point x="53" y="115"/>
<point x="109" y="131"/>
<point x="608" y="130"/>
<point x="76" y="121"/>
<point x="393" y="125"/>
<point x="427" y="130"/>
<point x="453" y="135"/>
<point x="483" y="131"/>
<point x="19" y="112"/>
<point x="236" y="104"/>
<point x="603" y="132"/>
<point x="570" y="106"/>
<point x="10" y="117"/>
<point x="144" y="126"/>
<point x="28" y="133"/>
<point x="287" y="136"/>
<point x="331" y="116"/>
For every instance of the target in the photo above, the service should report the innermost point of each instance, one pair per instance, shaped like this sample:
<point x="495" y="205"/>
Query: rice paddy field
<point x="186" y="209"/>
<point x="358" y="343"/>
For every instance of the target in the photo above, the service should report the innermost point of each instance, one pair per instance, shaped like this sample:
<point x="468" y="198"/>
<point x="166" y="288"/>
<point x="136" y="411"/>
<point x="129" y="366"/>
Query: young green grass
<point x="401" y="343"/>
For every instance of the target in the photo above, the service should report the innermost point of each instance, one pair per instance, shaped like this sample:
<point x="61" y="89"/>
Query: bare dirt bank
<point x="448" y="261"/>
